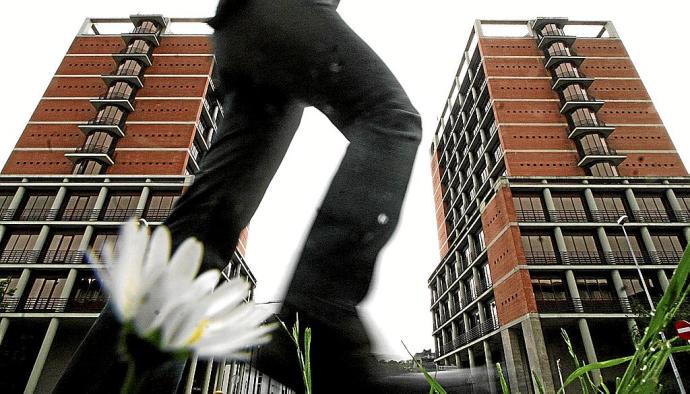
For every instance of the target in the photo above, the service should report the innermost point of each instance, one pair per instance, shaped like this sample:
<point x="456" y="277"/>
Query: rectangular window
<point x="652" y="209"/>
<point x="37" y="206"/>
<point x="621" y="251"/>
<point x="595" y="288"/>
<point x="669" y="248"/>
<point x="80" y="206"/>
<point x="89" y="167"/>
<point x="603" y="169"/>
<point x="121" y="206"/>
<point x="609" y="208"/>
<point x="64" y="248"/>
<point x="538" y="249"/>
<point x="87" y="295"/>
<point x="5" y="201"/>
<point x="529" y="208"/>
<point x="160" y="205"/>
<point x="44" y="294"/>
<point x="582" y="248"/>
<point x="102" y="239"/>
<point x="548" y="287"/>
<point x="18" y="247"/>
<point x="569" y="208"/>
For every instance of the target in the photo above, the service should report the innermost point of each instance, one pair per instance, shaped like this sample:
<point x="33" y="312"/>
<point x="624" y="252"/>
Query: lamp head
<point x="622" y="220"/>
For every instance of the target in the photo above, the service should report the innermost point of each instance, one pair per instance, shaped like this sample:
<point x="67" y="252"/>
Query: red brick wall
<point x="187" y="65"/>
<point x="149" y="162"/>
<point x="72" y="110"/>
<point x="543" y="164"/>
<point x="101" y="44"/>
<point x="37" y="162"/>
<point x="173" y="87"/>
<point x="521" y="89"/>
<point x="51" y="136"/>
<point x="157" y="135"/>
<point x="184" y="45"/>
<point x="76" y="87"/>
<point x="440" y="206"/>
<point x="166" y="110"/>
<point x="535" y="137"/>
<point x="86" y="65"/>
<point x="514" y="297"/>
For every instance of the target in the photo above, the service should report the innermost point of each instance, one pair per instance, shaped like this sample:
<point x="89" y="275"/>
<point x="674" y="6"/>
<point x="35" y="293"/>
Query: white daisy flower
<point x="162" y="300"/>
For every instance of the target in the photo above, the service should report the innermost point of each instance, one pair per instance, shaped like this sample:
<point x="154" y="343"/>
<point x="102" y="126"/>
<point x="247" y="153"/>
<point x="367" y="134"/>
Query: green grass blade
<point x="435" y="385"/>
<point x="540" y="385"/>
<point x="582" y="371"/>
<point x="307" y="358"/>
<point x="504" y="384"/>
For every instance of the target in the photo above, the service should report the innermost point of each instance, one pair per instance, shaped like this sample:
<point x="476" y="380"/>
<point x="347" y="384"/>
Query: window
<point x="129" y="67"/>
<point x="634" y="289"/>
<point x="621" y="251"/>
<point x="99" y="142"/>
<point x="18" y="246"/>
<point x="652" y="209"/>
<point x="603" y="168"/>
<point x="493" y="312"/>
<point x="593" y="144"/>
<point x="538" y="249"/>
<point x="37" y="206"/>
<point x="63" y="248"/>
<point x="120" y="90"/>
<point x="582" y="248"/>
<point x="160" y="205"/>
<point x="558" y="49"/>
<point x="80" y="206"/>
<point x="89" y="167"/>
<point x="87" y="295"/>
<point x="574" y="93"/>
<point x="551" y="30"/>
<point x="684" y="213"/>
<point x="481" y="245"/>
<point x="45" y="294"/>
<point x="569" y="208"/>
<point x="102" y="239"/>
<point x="486" y="274"/>
<point x="146" y="27"/>
<point x="5" y="201"/>
<point x="121" y="206"/>
<point x="548" y="287"/>
<point x="566" y="70"/>
<point x="498" y="153"/>
<point x="138" y="46"/>
<point x="529" y="208"/>
<point x="194" y="151"/>
<point x="669" y="247"/>
<point x="11" y="280"/>
<point x="609" y="208"/>
<point x="594" y="288"/>
<point x="109" y="115"/>
<point x="584" y="117"/>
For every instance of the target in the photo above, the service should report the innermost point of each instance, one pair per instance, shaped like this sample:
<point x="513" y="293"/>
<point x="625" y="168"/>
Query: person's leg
<point x="319" y="59"/>
<point x="247" y="150"/>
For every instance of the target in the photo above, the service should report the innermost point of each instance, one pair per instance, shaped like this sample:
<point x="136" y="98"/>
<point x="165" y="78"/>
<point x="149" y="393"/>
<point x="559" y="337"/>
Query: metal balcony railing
<point x="52" y="305"/>
<point x="80" y="214"/>
<point x="37" y="214"/>
<point x="157" y="215"/>
<point x="19" y="256"/>
<point x="93" y="148"/>
<point x="557" y="216"/>
<point x="106" y="121"/>
<point x="599" y="151"/>
<point x="606" y="216"/>
<point x="473" y="333"/>
<point x="145" y="30"/>
<point x="530" y="215"/>
<point x="63" y="257"/>
<point x="583" y="305"/>
<point x="120" y="215"/>
<point x="651" y="216"/>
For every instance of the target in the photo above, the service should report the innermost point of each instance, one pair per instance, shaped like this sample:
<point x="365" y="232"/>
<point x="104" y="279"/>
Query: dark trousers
<point x="276" y="57"/>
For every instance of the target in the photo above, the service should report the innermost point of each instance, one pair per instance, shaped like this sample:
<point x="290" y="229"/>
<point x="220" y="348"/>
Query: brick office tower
<point x="119" y="133"/>
<point x="531" y="174"/>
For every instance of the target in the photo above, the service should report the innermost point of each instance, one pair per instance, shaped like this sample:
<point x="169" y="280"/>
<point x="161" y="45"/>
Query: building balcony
<point x="132" y="76"/>
<point x="157" y="215"/>
<point x="101" y="153"/>
<point x="80" y="215"/>
<point x="561" y="82"/>
<point x="583" y="305"/>
<point x="556" y="59"/>
<point x="160" y="21"/>
<point x="129" y="53"/>
<point x="148" y="34"/>
<point x="669" y="257"/>
<point x="547" y="40"/>
<point x="10" y="256"/>
<point x="540" y="23"/>
<point x="577" y="131"/>
<point x="124" y="101"/>
<point x="120" y="215"/>
<point x="572" y="104"/>
<point x="472" y="334"/>
<point x="651" y="216"/>
<point x="64" y="257"/>
<point x="556" y="216"/>
<point x="53" y="305"/>
<point x="600" y="153"/>
<point x="113" y="126"/>
<point x="38" y="214"/>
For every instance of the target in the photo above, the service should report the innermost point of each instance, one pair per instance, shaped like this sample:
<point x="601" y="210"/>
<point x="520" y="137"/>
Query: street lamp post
<point x="621" y="221"/>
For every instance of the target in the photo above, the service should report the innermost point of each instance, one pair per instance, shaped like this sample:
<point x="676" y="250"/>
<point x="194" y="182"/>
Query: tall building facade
<point x="548" y="137"/>
<point x="118" y="133"/>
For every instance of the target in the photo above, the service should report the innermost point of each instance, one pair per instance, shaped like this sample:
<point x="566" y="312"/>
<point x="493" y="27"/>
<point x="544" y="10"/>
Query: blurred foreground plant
<point x="166" y="311"/>
<point x="304" y="357"/>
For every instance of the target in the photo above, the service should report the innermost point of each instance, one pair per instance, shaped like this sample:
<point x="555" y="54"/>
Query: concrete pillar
<point x="2" y="232"/>
<point x="686" y="235"/>
<point x="617" y="281"/>
<point x="42" y="356"/>
<point x="190" y="377"/>
<point x="143" y="199"/>
<point x="22" y="282"/>
<point x="482" y="312"/>
<point x="572" y="289"/>
<point x="86" y="238"/>
<point x="40" y="242"/>
<point x="605" y="245"/>
<point x="490" y="367"/>
<point x="477" y="280"/>
<point x="207" y="376"/>
<point x="589" y="199"/>
<point x="4" y="325"/>
<point x="548" y="202"/>
<point x="589" y="348"/>
<point x="16" y="202"/>
<point x="69" y="283"/>
<point x="466" y="321"/>
<point x="470" y="355"/>
<point x="458" y="360"/>
<point x="649" y="244"/>
<point x="218" y="378"/>
<point x="514" y="367"/>
<point x="663" y="279"/>
<point x="100" y="202"/>
<point x="632" y="201"/>
<point x="673" y="202"/>
<point x="560" y="244"/>
<point x="536" y="353"/>
<point x="57" y="203"/>
<point x="454" y="331"/>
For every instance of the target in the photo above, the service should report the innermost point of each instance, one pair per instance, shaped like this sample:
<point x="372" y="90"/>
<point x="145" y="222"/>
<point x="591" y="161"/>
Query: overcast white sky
<point x="422" y="42"/>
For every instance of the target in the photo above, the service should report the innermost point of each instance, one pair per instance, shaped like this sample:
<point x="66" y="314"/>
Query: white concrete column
<point x="143" y="199"/>
<point x="591" y="202"/>
<point x="572" y="289"/>
<point x="4" y="325"/>
<point x="40" y="242"/>
<point x="57" y="203"/>
<point x="22" y="282"/>
<point x="589" y="348"/>
<point x="649" y="244"/>
<point x="207" y="376"/>
<point x="673" y="202"/>
<point x="514" y="368"/>
<point x="632" y="201"/>
<point x="470" y="355"/>
<point x="560" y="244"/>
<point x="537" y="353"/>
<point x="16" y="202"/>
<point x="42" y="356"/>
<point x="69" y="284"/>
<point x="663" y="279"/>
<point x="100" y="202"/>
<point x="605" y="245"/>
<point x="548" y="203"/>
<point x="633" y="330"/>
<point x="490" y="367"/>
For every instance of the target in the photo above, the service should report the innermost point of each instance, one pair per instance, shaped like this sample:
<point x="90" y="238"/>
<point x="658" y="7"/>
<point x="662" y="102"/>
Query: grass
<point x="304" y="356"/>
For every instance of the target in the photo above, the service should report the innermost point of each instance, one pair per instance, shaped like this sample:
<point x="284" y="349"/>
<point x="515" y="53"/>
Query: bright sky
<point x="422" y="42"/>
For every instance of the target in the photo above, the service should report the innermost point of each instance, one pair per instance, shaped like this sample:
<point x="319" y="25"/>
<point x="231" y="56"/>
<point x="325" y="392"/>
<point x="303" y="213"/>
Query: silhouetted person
<point x="276" y="57"/>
